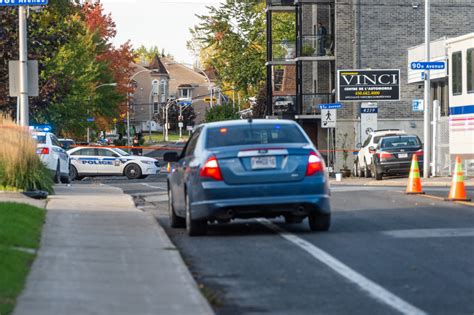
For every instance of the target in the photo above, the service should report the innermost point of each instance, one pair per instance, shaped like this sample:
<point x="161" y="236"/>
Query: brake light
<point x="315" y="164"/>
<point x="419" y="152"/>
<point x="42" y="151"/>
<point x="385" y="156"/>
<point x="211" y="169"/>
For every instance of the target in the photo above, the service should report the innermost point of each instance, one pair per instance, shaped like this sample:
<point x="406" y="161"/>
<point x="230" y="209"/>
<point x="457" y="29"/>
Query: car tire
<point x="377" y="174"/>
<point x="175" y="221"/>
<point x="57" y="174"/>
<point x="73" y="174"/>
<point x="194" y="227"/>
<point x="133" y="171"/>
<point x="367" y="171"/>
<point x="319" y="221"/>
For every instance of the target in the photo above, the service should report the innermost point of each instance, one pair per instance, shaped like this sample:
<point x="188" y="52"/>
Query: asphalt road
<point x="386" y="253"/>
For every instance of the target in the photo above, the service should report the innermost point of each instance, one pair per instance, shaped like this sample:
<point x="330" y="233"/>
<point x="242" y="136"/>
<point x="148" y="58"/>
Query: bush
<point x="222" y="112"/>
<point x="20" y="167"/>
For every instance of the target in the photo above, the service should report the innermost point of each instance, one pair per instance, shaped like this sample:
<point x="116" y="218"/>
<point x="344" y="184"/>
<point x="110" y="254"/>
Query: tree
<point x="221" y="112"/>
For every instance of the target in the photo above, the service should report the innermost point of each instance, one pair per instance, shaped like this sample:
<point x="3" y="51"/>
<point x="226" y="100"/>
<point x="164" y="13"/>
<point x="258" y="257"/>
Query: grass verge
<point x="20" y="227"/>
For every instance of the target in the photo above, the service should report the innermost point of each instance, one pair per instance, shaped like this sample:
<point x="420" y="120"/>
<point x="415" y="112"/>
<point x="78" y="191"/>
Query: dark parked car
<point x="393" y="155"/>
<point x="247" y="169"/>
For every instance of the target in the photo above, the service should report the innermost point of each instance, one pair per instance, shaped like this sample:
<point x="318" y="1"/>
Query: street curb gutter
<point x="181" y="266"/>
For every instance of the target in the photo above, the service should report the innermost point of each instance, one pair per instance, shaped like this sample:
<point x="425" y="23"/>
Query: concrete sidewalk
<point x="101" y="255"/>
<point x="399" y="181"/>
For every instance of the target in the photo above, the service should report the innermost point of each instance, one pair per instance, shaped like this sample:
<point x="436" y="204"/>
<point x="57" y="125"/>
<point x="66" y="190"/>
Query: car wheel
<point x="319" y="221"/>
<point x="73" y="175"/>
<point x="367" y="171"/>
<point x="175" y="221"/>
<point x="377" y="174"/>
<point x="57" y="174"/>
<point x="66" y="179"/>
<point x="133" y="171"/>
<point x="194" y="227"/>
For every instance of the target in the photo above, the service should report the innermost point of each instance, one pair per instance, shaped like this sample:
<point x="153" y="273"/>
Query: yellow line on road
<point x="465" y="203"/>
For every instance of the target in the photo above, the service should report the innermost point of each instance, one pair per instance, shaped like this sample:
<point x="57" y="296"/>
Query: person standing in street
<point x="322" y="32"/>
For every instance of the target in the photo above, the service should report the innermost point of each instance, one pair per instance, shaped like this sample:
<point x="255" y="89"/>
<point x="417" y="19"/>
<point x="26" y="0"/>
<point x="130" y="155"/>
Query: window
<point x="163" y="90"/>
<point x="87" y="152"/>
<point x="457" y="72"/>
<point x="55" y="141"/>
<point x="191" y="145"/>
<point x="278" y="81"/>
<point x="185" y="93"/>
<point x="470" y="70"/>
<point x="105" y="152"/>
<point x="253" y="133"/>
<point x="156" y="108"/>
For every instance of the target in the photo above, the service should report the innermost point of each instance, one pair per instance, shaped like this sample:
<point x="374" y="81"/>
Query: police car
<point x="53" y="156"/>
<point x="90" y="161"/>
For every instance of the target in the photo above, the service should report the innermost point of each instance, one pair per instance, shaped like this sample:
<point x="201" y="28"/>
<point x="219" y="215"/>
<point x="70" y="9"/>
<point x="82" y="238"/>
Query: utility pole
<point x="427" y="97"/>
<point x="24" y="107"/>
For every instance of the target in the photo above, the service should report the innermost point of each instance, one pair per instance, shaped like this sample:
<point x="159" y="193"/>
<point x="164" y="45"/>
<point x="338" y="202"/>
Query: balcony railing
<point x="283" y="50"/>
<point x="316" y="45"/>
<point x="284" y="104"/>
<point x="280" y="2"/>
<point x="311" y="103"/>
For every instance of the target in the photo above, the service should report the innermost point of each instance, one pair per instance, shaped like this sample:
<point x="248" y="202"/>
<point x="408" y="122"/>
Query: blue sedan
<point x="247" y="169"/>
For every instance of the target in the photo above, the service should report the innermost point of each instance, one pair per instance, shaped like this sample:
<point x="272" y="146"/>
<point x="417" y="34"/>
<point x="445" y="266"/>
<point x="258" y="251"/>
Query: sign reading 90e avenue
<point x="368" y="85"/>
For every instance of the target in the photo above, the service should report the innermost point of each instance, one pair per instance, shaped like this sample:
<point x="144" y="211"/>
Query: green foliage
<point x="231" y="40"/>
<point x="20" y="226"/>
<point x="173" y="112"/>
<point x="222" y="112"/>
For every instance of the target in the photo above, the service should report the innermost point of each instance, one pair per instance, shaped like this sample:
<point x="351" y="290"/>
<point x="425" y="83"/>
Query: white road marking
<point x="151" y="186"/>
<point x="426" y="233"/>
<point x="373" y="289"/>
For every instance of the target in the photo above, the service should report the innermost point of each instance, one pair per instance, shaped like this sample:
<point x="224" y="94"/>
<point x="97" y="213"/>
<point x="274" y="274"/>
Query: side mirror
<point x="171" y="156"/>
<point x="371" y="150"/>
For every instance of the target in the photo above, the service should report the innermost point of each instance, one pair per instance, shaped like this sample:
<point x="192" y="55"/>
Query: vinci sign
<point x="368" y="85"/>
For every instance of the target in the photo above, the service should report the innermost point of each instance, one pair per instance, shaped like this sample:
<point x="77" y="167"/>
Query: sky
<point x="162" y="23"/>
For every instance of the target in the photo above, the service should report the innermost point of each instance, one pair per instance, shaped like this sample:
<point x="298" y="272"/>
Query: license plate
<point x="403" y="155"/>
<point x="262" y="162"/>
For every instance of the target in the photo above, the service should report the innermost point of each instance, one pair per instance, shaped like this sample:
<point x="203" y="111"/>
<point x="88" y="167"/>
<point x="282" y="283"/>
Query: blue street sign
<point x="15" y="3"/>
<point x="435" y="65"/>
<point x="185" y="103"/>
<point x="330" y="106"/>
<point x="417" y="105"/>
<point x="369" y="110"/>
<point x="90" y="119"/>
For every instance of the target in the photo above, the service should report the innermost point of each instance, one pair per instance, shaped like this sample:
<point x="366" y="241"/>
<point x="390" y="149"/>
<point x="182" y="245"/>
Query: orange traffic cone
<point x="457" y="191"/>
<point x="414" y="181"/>
<point x="168" y="168"/>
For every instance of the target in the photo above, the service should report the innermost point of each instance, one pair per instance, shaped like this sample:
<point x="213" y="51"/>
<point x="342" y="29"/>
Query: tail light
<point x="211" y="169"/>
<point x="419" y="152"/>
<point x="385" y="156"/>
<point x="42" y="151"/>
<point x="315" y="164"/>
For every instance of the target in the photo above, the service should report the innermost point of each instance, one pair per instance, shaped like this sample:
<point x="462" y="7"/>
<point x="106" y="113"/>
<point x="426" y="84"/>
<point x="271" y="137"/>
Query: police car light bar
<point x="43" y="128"/>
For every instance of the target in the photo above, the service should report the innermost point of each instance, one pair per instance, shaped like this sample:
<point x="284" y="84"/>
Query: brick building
<point x="359" y="34"/>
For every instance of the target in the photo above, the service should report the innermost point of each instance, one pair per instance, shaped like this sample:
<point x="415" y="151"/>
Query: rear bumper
<point x="397" y="168"/>
<point x="223" y="201"/>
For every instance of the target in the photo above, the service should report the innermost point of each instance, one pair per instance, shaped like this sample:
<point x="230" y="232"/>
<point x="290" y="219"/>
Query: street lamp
<point x="99" y="86"/>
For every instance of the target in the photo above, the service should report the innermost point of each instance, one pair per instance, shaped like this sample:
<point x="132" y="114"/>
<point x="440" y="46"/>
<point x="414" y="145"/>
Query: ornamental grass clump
<point x="20" y="167"/>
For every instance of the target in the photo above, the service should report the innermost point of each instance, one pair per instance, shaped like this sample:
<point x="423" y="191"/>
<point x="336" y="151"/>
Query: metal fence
<point x="444" y="161"/>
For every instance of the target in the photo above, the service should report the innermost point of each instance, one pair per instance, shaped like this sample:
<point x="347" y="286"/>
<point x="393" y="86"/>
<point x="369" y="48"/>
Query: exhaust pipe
<point x="300" y="209"/>
<point x="230" y="213"/>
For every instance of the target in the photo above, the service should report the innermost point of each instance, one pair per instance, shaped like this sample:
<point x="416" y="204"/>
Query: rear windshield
<point x="401" y="141"/>
<point x="253" y="134"/>
<point x="40" y="139"/>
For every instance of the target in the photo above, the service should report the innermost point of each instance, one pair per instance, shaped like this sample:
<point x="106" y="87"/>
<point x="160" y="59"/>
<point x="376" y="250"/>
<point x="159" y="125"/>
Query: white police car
<point x="53" y="156"/>
<point x="99" y="161"/>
